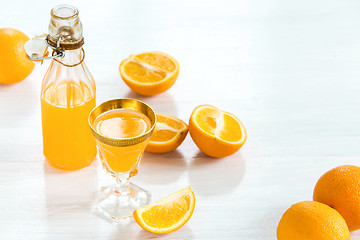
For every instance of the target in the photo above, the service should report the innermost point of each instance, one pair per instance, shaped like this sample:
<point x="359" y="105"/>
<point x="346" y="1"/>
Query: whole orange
<point x="14" y="65"/>
<point x="310" y="220"/>
<point x="340" y="189"/>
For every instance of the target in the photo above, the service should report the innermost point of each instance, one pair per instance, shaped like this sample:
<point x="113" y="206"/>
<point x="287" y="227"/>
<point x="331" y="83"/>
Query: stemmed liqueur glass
<point x="122" y="128"/>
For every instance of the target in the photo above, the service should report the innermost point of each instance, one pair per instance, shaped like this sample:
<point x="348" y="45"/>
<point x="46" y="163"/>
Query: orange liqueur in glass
<point x="121" y="124"/>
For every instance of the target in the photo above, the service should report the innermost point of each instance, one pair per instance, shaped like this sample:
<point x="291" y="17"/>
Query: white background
<point x="289" y="70"/>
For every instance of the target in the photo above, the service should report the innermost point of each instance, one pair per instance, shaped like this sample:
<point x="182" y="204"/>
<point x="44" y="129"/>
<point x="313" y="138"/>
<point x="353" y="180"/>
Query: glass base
<point x="117" y="203"/>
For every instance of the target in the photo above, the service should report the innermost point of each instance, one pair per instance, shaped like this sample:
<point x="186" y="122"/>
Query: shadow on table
<point x="183" y="233"/>
<point x="161" y="103"/>
<point x="131" y="230"/>
<point x="162" y="168"/>
<point x="213" y="176"/>
<point x="70" y="191"/>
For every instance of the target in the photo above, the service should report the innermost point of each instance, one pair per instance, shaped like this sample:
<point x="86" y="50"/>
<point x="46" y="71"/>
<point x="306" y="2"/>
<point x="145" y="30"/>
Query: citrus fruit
<point x="149" y="73"/>
<point x="215" y="132"/>
<point x="168" y="214"/>
<point x="310" y="220"/>
<point x="14" y="65"/>
<point x="168" y="134"/>
<point x="340" y="189"/>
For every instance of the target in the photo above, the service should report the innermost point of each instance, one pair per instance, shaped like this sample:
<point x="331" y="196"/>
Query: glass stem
<point x="122" y="185"/>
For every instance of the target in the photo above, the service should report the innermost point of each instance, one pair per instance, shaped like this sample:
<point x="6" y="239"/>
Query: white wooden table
<point x="289" y="70"/>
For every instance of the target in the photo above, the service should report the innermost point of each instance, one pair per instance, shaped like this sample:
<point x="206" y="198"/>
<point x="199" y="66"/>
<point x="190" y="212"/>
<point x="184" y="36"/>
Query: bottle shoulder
<point x="63" y="85"/>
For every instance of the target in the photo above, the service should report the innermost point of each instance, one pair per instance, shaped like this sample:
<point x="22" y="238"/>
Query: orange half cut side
<point x="168" y="134"/>
<point x="149" y="73"/>
<point x="217" y="133"/>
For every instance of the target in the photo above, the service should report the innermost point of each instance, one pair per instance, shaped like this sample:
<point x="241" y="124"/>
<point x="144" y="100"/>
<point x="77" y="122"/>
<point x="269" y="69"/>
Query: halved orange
<point x="168" y="134"/>
<point x="216" y="133"/>
<point x="168" y="214"/>
<point x="149" y="73"/>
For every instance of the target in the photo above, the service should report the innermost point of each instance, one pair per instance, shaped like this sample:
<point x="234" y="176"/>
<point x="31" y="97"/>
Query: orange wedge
<point x="168" y="214"/>
<point x="149" y="73"/>
<point x="168" y="134"/>
<point x="215" y="132"/>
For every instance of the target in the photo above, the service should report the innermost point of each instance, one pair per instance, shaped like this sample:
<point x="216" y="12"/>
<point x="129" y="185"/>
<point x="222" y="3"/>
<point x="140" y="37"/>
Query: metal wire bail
<point x="58" y="51"/>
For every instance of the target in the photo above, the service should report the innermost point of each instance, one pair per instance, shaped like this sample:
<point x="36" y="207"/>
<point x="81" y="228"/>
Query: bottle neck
<point x="65" y="23"/>
<point x="72" y="57"/>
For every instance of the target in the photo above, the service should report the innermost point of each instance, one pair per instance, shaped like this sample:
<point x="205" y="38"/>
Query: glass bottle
<point x="67" y="95"/>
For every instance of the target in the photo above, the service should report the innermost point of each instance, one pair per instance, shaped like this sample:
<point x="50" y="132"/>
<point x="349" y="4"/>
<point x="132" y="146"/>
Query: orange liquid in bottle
<point x="118" y="124"/>
<point x="67" y="139"/>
